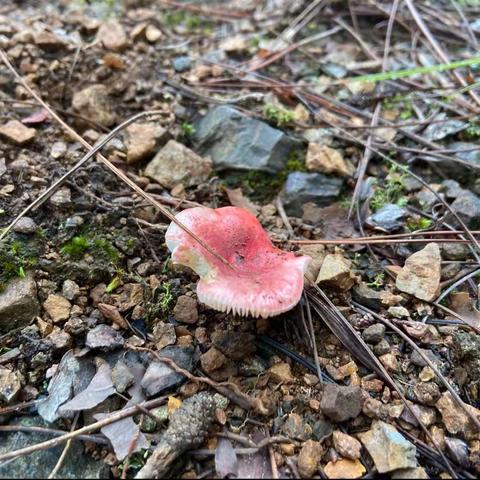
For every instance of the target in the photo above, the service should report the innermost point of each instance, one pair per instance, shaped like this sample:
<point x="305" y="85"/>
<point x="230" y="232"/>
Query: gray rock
<point x="10" y="385"/>
<point x="455" y="251"/>
<point x="70" y="289"/>
<point x="18" y="303"/>
<point x="122" y="377"/>
<point x="467" y="349"/>
<point x="236" y="141"/>
<point x="470" y="155"/>
<point x="160" y="377"/>
<point x="104" y="337"/>
<point x="182" y="63"/>
<point x="437" y="131"/>
<point x="302" y="187"/>
<point x="419" y="361"/>
<point x="389" y="218"/>
<point x="25" y="225"/>
<point x="426" y="393"/>
<point x="381" y="348"/>
<point x="388" y="448"/>
<point x="374" y="333"/>
<point x="452" y="188"/>
<point x="367" y="296"/>
<point x="467" y="207"/>
<point x="341" y="403"/>
<point x="458" y="450"/>
<point x="40" y="464"/>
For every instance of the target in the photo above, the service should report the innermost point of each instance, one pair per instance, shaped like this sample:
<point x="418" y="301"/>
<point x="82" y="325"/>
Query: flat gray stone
<point x="235" y="141"/>
<point x="302" y="187"/>
<point x="40" y="464"/>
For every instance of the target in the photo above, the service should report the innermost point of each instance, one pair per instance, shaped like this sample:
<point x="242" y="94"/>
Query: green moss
<point x="96" y="245"/>
<point x="391" y="192"/>
<point x="421" y="223"/>
<point x="472" y="132"/>
<point x="16" y="257"/>
<point x="378" y="281"/>
<point x="277" y="114"/>
<point x="188" y="130"/>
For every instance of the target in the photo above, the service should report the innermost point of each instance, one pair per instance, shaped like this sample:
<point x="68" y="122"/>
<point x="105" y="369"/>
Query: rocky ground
<point x="258" y="105"/>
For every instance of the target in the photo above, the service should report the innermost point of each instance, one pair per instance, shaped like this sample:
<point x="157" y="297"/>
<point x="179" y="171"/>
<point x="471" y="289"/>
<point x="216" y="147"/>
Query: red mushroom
<point x="261" y="279"/>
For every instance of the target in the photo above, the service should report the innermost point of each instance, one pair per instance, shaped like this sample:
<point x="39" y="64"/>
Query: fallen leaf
<point x="462" y="304"/>
<point x="100" y="388"/>
<point x="111" y="313"/>
<point x="226" y="462"/>
<point x="124" y="435"/>
<point x="237" y="199"/>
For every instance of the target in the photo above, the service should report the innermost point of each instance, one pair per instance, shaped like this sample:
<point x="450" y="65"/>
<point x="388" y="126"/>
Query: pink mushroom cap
<point x="264" y="281"/>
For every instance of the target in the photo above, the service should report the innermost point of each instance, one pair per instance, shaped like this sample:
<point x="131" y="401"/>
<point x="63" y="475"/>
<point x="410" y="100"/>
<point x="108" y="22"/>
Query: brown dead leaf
<point x="111" y="313"/>
<point x="461" y="303"/>
<point x="237" y="199"/>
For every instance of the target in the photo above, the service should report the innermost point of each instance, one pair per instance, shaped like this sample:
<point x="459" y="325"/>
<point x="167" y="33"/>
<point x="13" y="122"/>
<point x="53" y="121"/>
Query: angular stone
<point x="16" y="132"/>
<point x="389" y="218"/>
<point x="341" y="403"/>
<point x="186" y="310"/>
<point x="454" y="417"/>
<point x="10" y="385"/>
<point x="18" y="303"/>
<point x="302" y="187"/>
<point x="335" y="272"/>
<point x="94" y="103"/>
<point x="406" y="473"/>
<point x="175" y="163"/>
<point x="103" y="337"/>
<point x="122" y="377"/>
<point x="25" y="225"/>
<point x="112" y="35"/>
<point x="295" y="428"/>
<point x="467" y="207"/>
<point x="374" y="299"/>
<point x="399" y="312"/>
<point x="374" y="333"/>
<point x="48" y="41"/>
<point x="344" y="468"/>
<point x="58" y="307"/>
<point x="70" y="289"/>
<point x="141" y="140"/>
<point x="40" y="464"/>
<point x="346" y="446"/>
<point x="160" y="377"/>
<point x="420" y="275"/>
<point x="323" y="159"/>
<point x="212" y="360"/>
<point x="281" y="372"/>
<point x="388" y="448"/>
<point x="236" y="141"/>
<point x="309" y="458"/>
<point x="164" y="335"/>
<point x="427" y="392"/>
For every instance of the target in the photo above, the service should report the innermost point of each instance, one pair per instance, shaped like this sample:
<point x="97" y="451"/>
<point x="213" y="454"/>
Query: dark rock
<point x="235" y="345"/>
<point x="160" y="377"/>
<point x="452" y="188"/>
<point x="381" y="348"/>
<point x="104" y="337"/>
<point x="467" y="207"/>
<point x="467" y="349"/>
<point x="302" y="187"/>
<point x="321" y="430"/>
<point x="416" y="358"/>
<point x="236" y="141"/>
<point x="458" y="450"/>
<point x="455" y="251"/>
<point x="374" y="333"/>
<point x="122" y="377"/>
<point x="18" y="303"/>
<point x="182" y="63"/>
<point x="471" y="156"/>
<point x="341" y="403"/>
<point x="367" y="296"/>
<point x="389" y="218"/>
<point x="41" y="463"/>
<point x="25" y="225"/>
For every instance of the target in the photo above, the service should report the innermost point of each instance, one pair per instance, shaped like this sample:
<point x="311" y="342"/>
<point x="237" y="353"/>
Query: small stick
<point x="59" y="464"/>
